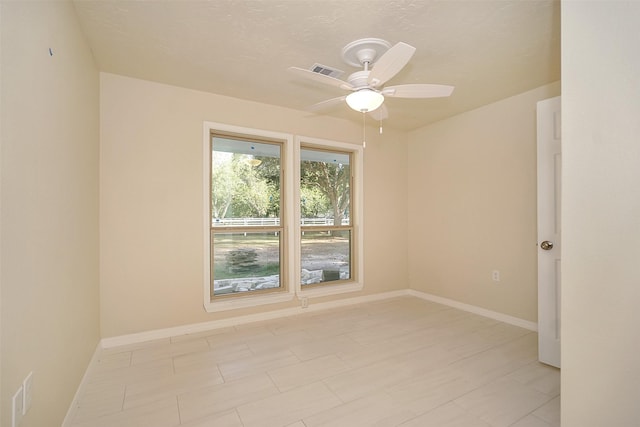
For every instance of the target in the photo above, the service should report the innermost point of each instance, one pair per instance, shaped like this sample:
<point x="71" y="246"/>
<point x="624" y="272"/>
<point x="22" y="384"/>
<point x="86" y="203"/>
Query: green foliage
<point x="261" y="270"/>
<point x="269" y="172"/>
<point x="239" y="189"/>
<point x="332" y="181"/>
<point x="242" y="189"/>
<point x="313" y="203"/>
<point x="224" y="183"/>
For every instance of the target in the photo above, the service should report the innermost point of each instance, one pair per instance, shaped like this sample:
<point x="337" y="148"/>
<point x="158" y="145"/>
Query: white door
<point x="549" y="169"/>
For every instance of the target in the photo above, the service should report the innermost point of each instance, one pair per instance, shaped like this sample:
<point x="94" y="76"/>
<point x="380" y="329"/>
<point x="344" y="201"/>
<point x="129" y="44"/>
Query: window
<point x="325" y="207"/>
<point x="272" y="230"/>
<point x="246" y="228"/>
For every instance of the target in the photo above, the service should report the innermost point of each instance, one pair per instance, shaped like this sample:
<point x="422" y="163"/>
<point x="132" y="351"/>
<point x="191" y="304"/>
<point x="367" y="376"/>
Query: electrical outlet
<point x="16" y="408"/>
<point x="27" y="387"/>
<point x="495" y="275"/>
<point x="304" y="302"/>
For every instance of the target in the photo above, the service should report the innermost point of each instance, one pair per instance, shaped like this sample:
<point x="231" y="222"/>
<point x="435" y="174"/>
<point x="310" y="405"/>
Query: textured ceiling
<point x="488" y="50"/>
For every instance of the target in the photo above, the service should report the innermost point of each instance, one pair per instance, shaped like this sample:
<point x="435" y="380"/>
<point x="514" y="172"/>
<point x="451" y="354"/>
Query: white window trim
<point x="291" y="148"/>
<point x="357" y="205"/>
<point x="263" y="298"/>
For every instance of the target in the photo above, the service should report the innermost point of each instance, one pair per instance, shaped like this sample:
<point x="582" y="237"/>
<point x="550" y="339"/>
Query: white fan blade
<point x="380" y="113"/>
<point x="390" y="63"/>
<point x="320" y="78"/>
<point x="418" y="91"/>
<point x="326" y="104"/>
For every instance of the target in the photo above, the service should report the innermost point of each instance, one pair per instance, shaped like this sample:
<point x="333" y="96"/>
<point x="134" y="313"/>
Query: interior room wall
<point x="472" y="206"/>
<point x="49" y="175"/>
<point x="151" y="199"/>
<point x="601" y="214"/>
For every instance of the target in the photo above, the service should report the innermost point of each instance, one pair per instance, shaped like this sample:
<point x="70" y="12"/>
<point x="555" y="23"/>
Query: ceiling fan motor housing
<point x="359" y="79"/>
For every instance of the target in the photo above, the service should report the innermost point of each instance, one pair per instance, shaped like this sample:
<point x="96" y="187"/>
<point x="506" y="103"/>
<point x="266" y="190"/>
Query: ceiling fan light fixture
<point x="365" y="100"/>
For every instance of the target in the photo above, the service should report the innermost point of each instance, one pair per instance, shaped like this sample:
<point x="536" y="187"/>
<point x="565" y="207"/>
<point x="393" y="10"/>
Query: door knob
<point x="546" y="245"/>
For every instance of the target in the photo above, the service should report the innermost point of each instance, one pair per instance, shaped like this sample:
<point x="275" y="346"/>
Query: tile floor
<point x="397" y="362"/>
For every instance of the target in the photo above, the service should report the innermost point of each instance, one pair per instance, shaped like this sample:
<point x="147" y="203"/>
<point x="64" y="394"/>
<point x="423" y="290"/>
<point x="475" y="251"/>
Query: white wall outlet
<point x="27" y="387"/>
<point x="16" y="408"/>
<point x="495" y="275"/>
<point x="304" y="302"/>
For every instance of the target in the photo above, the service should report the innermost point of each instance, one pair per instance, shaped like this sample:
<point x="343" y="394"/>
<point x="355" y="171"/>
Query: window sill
<point x="247" y="301"/>
<point x="326" y="290"/>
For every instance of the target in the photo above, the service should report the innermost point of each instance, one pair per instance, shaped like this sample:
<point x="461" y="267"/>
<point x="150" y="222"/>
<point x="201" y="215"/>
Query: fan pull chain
<point x="364" y="135"/>
<point x="380" y="126"/>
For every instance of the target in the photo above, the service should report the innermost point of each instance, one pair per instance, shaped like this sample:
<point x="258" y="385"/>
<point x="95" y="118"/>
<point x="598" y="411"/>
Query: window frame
<point x="330" y="228"/>
<point x="289" y="218"/>
<point x="355" y="283"/>
<point x="249" y="299"/>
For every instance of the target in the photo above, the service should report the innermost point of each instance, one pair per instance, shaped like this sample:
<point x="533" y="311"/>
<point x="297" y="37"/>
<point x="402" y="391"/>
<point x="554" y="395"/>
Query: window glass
<point x="325" y="209"/>
<point x="246" y="231"/>
<point x="245" y="183"/>
<point x="325" y="187"/>
<point x="245" y="262"/>
<point x="326" y="256"/>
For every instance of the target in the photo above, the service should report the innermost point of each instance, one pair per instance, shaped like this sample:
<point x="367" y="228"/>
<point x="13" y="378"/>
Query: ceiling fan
<point x="381" y="62"/>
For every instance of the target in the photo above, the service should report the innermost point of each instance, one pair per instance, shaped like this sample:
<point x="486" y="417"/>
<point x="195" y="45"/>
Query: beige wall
<point x="601" y="214"/>
<point x="151" y="199"/>
<point x="49" y="171"/>
<point x="472" y="206"/>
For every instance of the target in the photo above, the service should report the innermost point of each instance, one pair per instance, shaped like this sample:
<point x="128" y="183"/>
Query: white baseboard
<point x="240" y="320"/>
<point x="274" y="314"/>
<point x="73" y="407"/>
<point x="516" y="321"/>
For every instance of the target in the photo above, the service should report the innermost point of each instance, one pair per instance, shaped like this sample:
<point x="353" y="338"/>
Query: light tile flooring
<point x="397" y="362"/>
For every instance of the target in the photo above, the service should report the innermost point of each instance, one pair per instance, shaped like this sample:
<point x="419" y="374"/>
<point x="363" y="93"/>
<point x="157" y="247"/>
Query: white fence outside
<point x="269" y="222"/>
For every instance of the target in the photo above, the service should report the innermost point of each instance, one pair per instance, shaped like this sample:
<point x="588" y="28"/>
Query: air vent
<point x="327" y="71"/>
